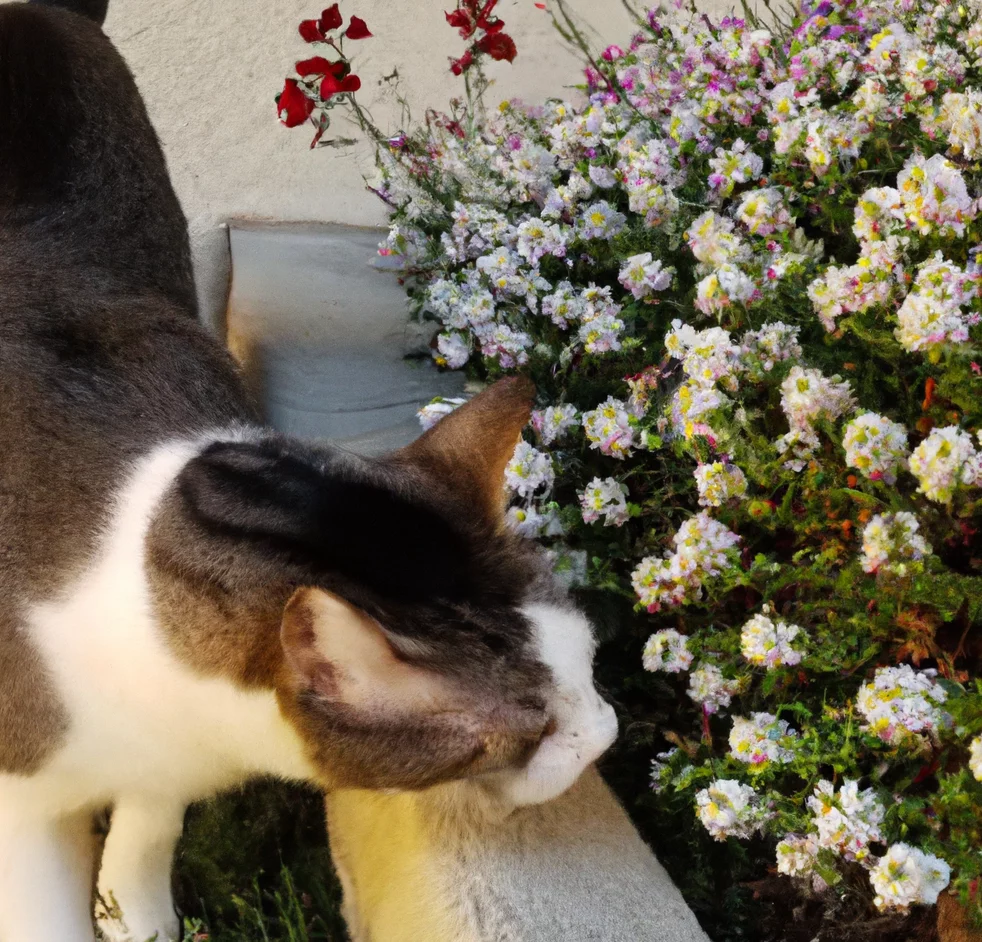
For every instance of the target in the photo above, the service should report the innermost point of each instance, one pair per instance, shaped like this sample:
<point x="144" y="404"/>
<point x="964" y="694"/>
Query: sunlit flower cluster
<point x="719" y="482"/>
<point x="796" y="855"/>
<point x="876" y="446"/>
<point x="608" y="428"/>
<point x="529" y="470"/>
<point x="730" y="809"/>
<point x="744" y="272"/>
<point x="761" y="738"/>
<point x="710" y="689"/>
<point x="701" y="548"/>
<point x="607" y="498"/>
<point x="975" y="757"/>
<point x="807" y="397"/>
<point x="900" y="701"/>
<point x="847" y="821"/>
<point x="891" y="543"/>
<point x="667" y="650"/>
<point x="946" y="459"/>
<point x="906" y="876"/>
<point x="766" y="643"/>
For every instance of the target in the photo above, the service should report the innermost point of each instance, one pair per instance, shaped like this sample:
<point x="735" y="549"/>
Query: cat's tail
<point x="93" y="9"/>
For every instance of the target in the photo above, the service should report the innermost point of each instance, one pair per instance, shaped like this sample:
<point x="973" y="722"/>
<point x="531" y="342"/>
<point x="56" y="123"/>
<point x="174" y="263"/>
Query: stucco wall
<point x="209" y="71"/>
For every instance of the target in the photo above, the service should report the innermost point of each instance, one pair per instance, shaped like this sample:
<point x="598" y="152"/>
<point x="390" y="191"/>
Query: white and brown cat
<point x="187" y="599"/>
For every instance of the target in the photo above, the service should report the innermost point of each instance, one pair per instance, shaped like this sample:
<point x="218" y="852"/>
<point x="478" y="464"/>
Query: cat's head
<point x="424" y="641"/>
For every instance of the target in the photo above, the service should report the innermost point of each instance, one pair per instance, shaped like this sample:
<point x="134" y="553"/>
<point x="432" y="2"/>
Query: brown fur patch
<point x="33" y="721"/>
<point x="468" y="450"/>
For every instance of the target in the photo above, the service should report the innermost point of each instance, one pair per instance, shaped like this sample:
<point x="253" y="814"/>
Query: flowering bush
<point x="742" y="271"/>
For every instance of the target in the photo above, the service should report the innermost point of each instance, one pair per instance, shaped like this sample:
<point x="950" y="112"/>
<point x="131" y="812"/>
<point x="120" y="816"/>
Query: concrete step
<point x="324" y="336"/>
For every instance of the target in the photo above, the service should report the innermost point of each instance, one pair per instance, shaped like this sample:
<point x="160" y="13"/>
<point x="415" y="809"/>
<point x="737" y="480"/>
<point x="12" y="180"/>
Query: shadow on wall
<point x="324" y="337"/>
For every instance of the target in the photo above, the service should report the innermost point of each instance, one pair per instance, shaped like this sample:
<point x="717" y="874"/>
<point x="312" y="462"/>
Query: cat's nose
<point x="572" y="740"/>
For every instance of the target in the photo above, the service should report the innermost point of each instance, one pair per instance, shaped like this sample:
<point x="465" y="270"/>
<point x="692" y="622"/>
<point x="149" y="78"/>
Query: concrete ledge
<point x="323" y="335"/>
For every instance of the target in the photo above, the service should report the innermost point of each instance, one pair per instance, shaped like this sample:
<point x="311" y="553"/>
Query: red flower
<point x="461" y="19"/>
<point x="311" y="31"/>
<point x="483" y="18"/>
<point x="293" y="106"/>
<point x="500" y="46"/>
<point x="319" y="66"/>
<point x="331" y="19"/>
<point x="461" y="65"/>
<point x="332" y="85"/>
<point x="357" y="29"/>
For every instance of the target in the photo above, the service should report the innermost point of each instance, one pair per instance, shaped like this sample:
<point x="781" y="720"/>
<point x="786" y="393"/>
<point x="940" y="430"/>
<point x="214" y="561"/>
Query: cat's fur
<point x="450" y="864"/>
<point x="187" y="599"/>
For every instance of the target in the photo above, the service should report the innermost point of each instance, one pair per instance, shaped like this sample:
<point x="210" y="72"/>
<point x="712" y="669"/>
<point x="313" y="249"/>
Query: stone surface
<point x="323" y="336"/>
<point x="210" y="70"/>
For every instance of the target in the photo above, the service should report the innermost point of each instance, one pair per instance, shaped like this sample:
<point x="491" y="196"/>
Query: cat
<point x="454" y="864"/>
<point x="188" y="599"/>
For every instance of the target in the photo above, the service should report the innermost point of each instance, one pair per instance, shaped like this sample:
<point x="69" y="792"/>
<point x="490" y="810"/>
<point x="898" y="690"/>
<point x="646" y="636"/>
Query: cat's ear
<point x="470" y="447"/>
<point x="340" y="652"/>
<point x="372" y="716"/>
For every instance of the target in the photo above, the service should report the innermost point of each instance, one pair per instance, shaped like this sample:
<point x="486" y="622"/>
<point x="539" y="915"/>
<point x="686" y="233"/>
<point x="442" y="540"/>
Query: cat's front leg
<point x="135" y="902"/>
<point x="46" y="872"/>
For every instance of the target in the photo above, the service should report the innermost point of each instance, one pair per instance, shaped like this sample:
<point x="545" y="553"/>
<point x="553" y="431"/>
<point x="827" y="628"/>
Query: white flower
<point x="761" y="349"/>
<point x="505" y="344"/>
<point x="702" y="544"/>
<point x="430" y="414"/>
<point x="667" y="650"/>
<point x="708" y="356"/>
<point x="730" y="809"/>
<point x="708" y="687"/>
<point x="453" y="350"/>
<point x="879" y="213"/>
<point x="723" y="287"/>
<point x="659" y="581"/>
<point x="848" y="822"/>
<point x="564" y="306"/>
<point x="713" y="241"/>
<point x="737" y="165"/>
<point x="608" y="428"/>
<point x="641" y="275"/>
<point x="760" y="739"/>
<point x="553" y="422"/>
<point x="529" y="470"/>
<point x="900" y="701"/>
<point x="796" y="855"/>
<point x="601" y="334"/>
<point x="719" y="482"/>
<point x="875" y="446"/>
<point x="601" y="221"/>
<point x="961" y="119"/>
<point x="806" y="397"/>
<point x="526" y="521"/>
<point x="768" y="644"/>
<point x="764" y="211"/>
<point x="907" y="876"/>
<point x="975" y="757"/>
<point x="934" y="195"/>
<point x="891" y="542"/>
<point x="943" y="461"/>
<point x="932" y="314"/>
<point x="605" y="497"/>
<point x="537" y="239"/>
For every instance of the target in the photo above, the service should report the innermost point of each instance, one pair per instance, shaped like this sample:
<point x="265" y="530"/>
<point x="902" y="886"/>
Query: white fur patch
<point x="142" y="721"/>
<point x="146" y="732"/>
<point x="586" y="725"/>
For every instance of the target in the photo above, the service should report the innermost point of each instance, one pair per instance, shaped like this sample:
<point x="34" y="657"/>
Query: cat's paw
<point x="117" y="926"/>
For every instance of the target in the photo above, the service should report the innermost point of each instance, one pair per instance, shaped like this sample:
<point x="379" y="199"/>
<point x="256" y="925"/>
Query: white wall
<point x="209" y="70"/>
